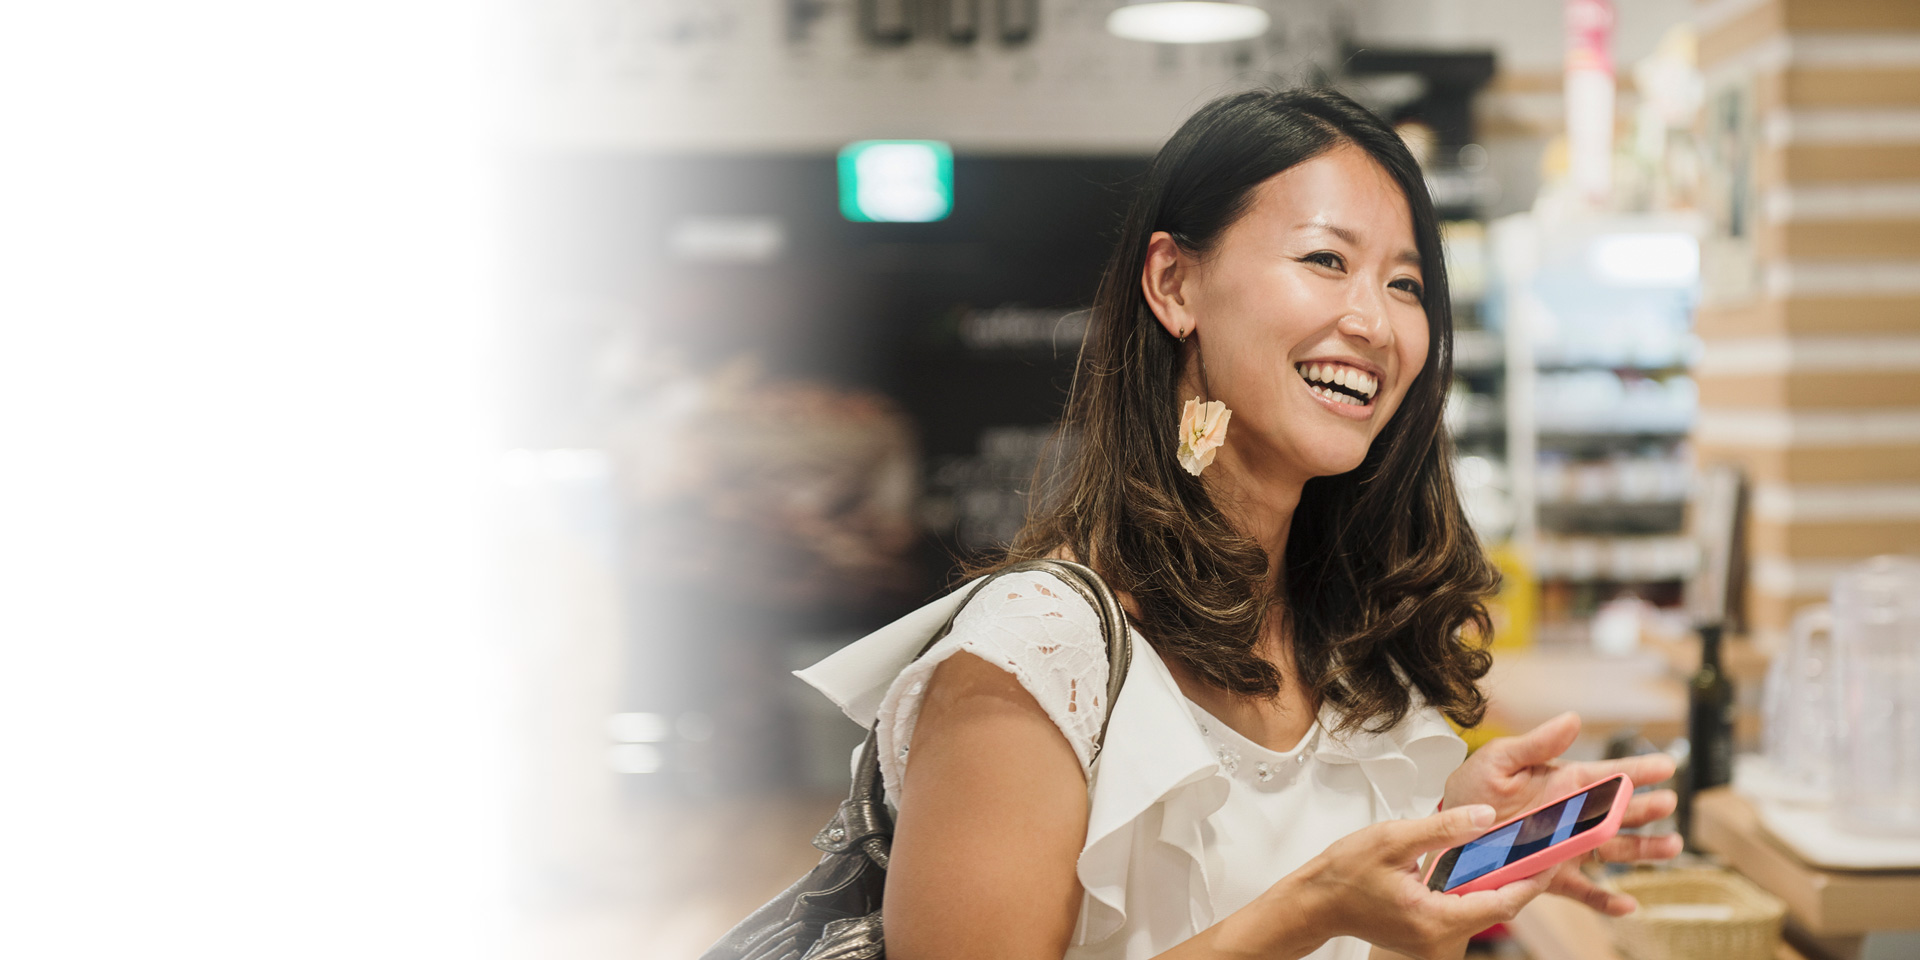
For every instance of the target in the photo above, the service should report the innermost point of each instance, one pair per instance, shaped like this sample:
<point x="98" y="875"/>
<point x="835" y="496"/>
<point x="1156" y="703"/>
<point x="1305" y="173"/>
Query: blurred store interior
<point x="798" y="288"/>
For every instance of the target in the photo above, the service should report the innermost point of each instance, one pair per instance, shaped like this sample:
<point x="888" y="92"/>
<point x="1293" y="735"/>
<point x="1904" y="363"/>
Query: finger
<point x="1628" y="848"/>
<point x="1647" y="807"/>
<point x="1440" y="831"/>
<point x="1542" y="744"/>
<point x="1644" y="770"/>
<point x="1569" y="882"/>
<point x="1484" y="908"/>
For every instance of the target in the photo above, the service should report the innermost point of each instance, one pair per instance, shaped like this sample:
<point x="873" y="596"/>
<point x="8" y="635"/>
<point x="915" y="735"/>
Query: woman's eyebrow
<point x="1409" y="257"/>
<point x="1320" y="223"/>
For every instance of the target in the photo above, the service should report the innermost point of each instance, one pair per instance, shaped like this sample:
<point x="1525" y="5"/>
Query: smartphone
<point x="1535" y="840"/>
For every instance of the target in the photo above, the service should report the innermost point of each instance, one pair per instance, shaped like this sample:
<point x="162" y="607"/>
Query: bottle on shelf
<point x="1710" y="709"/>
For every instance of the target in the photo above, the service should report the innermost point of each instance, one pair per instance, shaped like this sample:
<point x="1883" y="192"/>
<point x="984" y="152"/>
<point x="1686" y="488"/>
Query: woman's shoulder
<point x="1032" y="625"/>
<point x="1038" y="628"/>
<point x="1036" y="607"/>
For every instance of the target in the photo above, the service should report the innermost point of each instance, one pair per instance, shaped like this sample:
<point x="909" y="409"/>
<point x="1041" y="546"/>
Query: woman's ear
<point x="1164" y="280"/>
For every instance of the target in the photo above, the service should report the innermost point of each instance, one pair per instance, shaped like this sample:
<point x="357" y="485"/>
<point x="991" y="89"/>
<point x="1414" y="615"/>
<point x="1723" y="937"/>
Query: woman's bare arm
<point x="993" y="812"/>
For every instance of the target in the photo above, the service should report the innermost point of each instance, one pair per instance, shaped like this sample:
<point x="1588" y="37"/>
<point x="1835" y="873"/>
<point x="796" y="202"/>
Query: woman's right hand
<point x="1368" y="885"/>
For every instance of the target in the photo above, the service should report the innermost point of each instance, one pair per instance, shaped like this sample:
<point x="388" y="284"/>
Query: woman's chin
<point x="1333" y="459"/>
<point x="1321" y="454"/>
<point x="1334" y="469"/>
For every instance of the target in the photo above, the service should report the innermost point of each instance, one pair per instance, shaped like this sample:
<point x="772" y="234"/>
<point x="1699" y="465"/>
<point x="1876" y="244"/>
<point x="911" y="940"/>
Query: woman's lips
<point x="1337" y="401"/>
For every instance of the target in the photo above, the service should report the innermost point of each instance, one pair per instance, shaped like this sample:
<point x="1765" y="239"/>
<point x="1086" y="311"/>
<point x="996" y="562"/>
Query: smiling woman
<point x="1259" y="471"/>
<point x="1286" y="237"/>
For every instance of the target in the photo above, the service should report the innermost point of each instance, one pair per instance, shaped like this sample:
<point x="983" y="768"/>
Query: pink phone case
<point x="1573" y="846"/>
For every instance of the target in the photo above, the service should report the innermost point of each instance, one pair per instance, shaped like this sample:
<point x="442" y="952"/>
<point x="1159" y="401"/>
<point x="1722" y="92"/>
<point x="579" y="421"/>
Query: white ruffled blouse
<point x="1188" y="820"/>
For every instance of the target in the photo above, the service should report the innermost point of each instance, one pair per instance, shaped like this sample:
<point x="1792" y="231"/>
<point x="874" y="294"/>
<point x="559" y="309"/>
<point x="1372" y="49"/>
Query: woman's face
<point x="1307" y="315"/>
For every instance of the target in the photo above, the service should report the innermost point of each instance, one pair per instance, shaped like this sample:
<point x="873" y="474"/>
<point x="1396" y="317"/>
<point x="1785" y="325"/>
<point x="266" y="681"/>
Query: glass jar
<point x="1876" y="637"/>
<point x="1800" y="735"/>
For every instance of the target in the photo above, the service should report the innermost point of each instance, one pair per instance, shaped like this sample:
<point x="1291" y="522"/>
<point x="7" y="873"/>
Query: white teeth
<point x="1335" y="396"/>
<point x="1357" y="380"/>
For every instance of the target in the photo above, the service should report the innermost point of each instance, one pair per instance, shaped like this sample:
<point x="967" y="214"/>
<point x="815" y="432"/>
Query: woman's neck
<point x="1259" y="498"/>
<point x="1278" y="722"/>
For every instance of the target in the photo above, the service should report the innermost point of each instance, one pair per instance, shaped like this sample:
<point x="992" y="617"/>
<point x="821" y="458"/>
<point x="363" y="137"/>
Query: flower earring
<point x="1203" y="428"/>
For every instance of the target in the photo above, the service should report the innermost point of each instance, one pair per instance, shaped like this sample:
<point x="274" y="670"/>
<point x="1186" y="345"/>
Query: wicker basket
<point x="1697" y="914"/>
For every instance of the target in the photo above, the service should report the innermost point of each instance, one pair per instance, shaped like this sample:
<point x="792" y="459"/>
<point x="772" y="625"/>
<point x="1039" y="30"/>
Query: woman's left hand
<point x="1516" y="774"/>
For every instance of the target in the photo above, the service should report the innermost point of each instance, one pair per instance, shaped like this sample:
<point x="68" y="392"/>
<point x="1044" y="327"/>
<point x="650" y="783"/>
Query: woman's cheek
<point x="1413" y="355"/>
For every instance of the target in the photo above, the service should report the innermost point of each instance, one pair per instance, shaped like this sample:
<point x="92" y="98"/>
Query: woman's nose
<point x="1367" y="324"/>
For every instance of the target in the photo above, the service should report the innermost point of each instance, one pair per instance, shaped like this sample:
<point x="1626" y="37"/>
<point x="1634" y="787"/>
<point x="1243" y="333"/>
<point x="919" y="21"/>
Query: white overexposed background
<point x="249" y="704"/>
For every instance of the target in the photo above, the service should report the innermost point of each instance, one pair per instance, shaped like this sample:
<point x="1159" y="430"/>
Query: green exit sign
<point x="896" y="181"/>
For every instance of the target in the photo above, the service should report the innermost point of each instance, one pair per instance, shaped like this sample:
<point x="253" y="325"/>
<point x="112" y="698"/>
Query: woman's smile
<point x="1343" y="388"/>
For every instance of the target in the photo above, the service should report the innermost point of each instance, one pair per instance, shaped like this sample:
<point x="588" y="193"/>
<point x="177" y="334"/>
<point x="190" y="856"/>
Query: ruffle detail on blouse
<point x="856" y="677"/>
<point x="1153" y="756"/>
<point x="1407" y="765"/>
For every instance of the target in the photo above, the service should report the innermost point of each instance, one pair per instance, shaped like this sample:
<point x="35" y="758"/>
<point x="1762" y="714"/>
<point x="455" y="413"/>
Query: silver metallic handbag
<point x="833" y="913"/>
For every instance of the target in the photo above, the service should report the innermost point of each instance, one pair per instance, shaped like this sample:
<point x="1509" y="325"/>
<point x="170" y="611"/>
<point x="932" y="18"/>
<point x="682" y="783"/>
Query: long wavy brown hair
<point x="1381" y="570"/>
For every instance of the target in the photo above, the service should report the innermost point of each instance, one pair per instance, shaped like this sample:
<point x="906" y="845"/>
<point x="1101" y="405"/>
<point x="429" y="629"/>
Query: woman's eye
<point x="1410" y="286"/>
<point x="1325" y="258"/>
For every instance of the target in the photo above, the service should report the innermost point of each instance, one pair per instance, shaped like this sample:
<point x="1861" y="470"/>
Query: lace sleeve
<point x="1032" y="626"/>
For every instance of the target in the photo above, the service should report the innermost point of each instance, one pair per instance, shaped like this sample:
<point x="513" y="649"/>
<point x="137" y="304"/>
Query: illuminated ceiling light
<point x="1188" y="21"/>
<point x="896" y="181"/>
